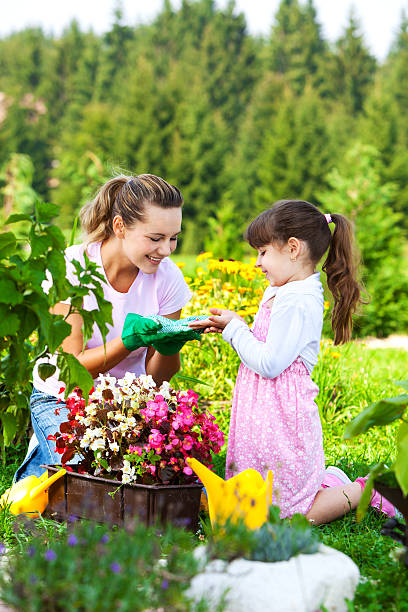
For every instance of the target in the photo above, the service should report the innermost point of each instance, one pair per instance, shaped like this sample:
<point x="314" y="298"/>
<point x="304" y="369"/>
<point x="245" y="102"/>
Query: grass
<point x="349" y="377"/>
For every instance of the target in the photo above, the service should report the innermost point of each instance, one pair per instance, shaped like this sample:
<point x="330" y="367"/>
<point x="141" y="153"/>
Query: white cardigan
<point x="295" y="329"/>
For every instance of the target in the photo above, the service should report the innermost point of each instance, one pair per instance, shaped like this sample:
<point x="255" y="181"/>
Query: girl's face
<point x="148" y="242"/>
<point x="276" y="263"/>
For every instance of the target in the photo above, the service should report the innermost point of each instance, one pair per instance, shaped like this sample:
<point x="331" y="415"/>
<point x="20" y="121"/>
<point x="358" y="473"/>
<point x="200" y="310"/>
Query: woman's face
<point x="148" y="242"/>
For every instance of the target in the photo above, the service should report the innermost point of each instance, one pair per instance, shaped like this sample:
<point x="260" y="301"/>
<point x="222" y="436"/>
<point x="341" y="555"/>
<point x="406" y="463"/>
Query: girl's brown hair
<point x="302" y="220"/>
<point x="126" y="196"/>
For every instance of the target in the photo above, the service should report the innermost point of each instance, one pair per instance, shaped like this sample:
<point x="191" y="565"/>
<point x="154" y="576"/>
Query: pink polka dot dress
<point x="275" y="425"/>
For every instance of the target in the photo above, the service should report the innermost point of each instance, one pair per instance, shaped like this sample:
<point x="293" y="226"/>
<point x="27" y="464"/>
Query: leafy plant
<point x="276" y="540"/>
<point x="136" y="431"/>
<point x="380" y="413"/>
<point x="91" y="568"/>
<point x="28" y="329"/>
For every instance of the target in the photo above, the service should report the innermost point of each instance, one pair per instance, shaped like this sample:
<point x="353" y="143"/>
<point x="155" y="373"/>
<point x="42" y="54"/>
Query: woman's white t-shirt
<point x="160" y="293"/>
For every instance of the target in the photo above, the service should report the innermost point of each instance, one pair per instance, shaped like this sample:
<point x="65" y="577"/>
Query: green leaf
<point x="9" y="293"/>
<point x="17" y="217"/>
<point x="381" y="412"/>
<point x="74" y="231"/>
<point x="28" y="321"/>
<point x="74" y="374"/>
<point x="9" y="422"/>
<point x="39" y="243"/>
<point x="57" y="237"/>
<point x="402" y="383"/>
<point x="401" y="462"/>
<point x="9" y="323"/>
<point x="56" y="332"/>
<point x="7" y="244"/>
<point x="190" y="379"/>
<point x="368" y="490"/>
<point x="45" y="211"/>
<point x="45" y="370"/>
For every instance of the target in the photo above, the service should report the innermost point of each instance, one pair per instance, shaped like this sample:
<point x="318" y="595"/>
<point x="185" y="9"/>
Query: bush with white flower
<point x="134" y="431"/>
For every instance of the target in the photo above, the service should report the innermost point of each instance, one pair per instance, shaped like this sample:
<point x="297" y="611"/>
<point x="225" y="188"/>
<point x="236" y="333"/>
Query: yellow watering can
<point x="29" y="495"/>
<point x="245" y="495"/>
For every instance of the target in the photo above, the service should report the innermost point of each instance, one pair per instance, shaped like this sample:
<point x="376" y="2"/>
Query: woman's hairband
<point x="328" y="218"/>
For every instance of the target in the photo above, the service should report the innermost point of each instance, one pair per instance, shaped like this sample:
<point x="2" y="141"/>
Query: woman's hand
<point x="218" y="320"/>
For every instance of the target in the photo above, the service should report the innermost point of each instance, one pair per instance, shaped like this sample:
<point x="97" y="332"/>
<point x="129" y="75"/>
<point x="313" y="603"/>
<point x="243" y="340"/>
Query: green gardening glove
<point x="139" y="331"/>
<point x="174" y="333"/>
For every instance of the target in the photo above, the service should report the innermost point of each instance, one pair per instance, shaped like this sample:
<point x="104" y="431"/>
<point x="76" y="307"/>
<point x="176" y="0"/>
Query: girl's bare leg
<point x="334" y="502"/>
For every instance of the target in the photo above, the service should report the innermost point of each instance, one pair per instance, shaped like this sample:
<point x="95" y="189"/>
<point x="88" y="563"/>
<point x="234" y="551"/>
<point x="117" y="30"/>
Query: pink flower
<point x="156" y="439"/>
<point x="188" y="443"/>
<point x="135" y="450"/>
<point x="187" y="470"/>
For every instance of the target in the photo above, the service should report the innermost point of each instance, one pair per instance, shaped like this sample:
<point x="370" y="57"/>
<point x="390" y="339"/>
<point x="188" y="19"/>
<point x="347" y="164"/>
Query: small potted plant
<point x="389" y="481"/>
<point x="130" y="444"/>
<point x="280" y="565"/>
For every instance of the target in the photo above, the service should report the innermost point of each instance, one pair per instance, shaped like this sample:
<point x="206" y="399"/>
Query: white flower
<point x="94" y="433"/>
<point x="128" y="379"/>
<point x="128" y="472"/>
<point x="165" y="390"/>
<point x="114" y="446"/>
<point x="97" y="444"/>
<point x="146" y="381"/>
<point x="131" y="422"/>
<point x="85" y="441"/>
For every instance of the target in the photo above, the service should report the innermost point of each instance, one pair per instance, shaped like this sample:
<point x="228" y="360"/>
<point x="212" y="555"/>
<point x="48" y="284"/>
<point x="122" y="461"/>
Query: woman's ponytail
<point x="341" y="267"/>
<point x="96" y="216"/>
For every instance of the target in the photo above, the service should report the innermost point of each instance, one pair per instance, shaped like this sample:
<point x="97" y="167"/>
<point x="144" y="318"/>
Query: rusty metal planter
<point x="85" y="496"/>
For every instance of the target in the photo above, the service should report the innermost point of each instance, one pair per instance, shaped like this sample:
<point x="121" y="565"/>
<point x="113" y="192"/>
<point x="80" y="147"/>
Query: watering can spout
<point x="45" y="483"/>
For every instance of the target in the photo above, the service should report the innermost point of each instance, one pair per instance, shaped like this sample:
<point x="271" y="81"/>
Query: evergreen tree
<point x="357" y="191"/>
<point x="385" y="124"/>
<point x="296" y="48"/>
<point x="295" y="157"/>
<point x="352" y="68"/>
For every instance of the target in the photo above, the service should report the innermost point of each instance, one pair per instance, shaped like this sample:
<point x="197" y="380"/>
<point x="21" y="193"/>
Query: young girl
<point x="275" y="422"/>
<point x="130" y="229"/>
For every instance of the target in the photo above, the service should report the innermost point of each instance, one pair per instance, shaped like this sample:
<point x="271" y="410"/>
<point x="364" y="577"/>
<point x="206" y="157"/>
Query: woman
<point x="131" y="227"/>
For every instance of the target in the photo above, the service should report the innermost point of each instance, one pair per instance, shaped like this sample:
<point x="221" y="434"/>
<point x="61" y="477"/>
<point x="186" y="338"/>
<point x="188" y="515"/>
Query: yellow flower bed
<point x="225" y="283"/>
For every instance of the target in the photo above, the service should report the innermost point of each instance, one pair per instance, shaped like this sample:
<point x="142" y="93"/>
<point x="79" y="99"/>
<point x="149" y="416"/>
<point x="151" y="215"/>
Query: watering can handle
<point x="47" y="483"/>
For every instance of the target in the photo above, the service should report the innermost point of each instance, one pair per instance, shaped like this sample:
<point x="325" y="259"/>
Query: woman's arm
<point x="97" y="360"/>
<point x="101" y="359"/>
<point x="162" y="367"/>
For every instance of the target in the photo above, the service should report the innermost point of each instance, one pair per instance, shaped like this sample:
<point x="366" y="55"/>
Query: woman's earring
<point x="293" y="258"/>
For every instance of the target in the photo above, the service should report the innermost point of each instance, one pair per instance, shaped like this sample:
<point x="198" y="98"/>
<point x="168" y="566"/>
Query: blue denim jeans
<point x="45" y="422"/>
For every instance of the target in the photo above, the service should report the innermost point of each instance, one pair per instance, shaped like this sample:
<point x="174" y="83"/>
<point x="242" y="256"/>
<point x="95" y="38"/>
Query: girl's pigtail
<point x="341" y="268"/>
<point x="96" y="216"/>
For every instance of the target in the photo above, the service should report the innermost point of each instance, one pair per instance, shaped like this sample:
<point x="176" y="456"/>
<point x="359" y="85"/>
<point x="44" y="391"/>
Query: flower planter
<point x="85" y="496"/>
<point x="305" y="583"/>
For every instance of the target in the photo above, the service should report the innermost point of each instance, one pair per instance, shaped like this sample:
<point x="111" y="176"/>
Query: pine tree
<point x="352" y="68"/>
<point x="296" y="48"/>
<point x="357" y="191"/>
<point x="295" y="157"/>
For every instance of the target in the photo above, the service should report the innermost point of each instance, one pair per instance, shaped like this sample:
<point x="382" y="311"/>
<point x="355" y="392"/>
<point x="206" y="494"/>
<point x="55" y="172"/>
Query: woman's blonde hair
<point x="126" y="196"/>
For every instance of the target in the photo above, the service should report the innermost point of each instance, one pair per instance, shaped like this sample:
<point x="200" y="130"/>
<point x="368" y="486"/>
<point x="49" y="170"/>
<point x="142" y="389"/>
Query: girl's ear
<point x="118" y="226"/>
<point x="295" y="247"/>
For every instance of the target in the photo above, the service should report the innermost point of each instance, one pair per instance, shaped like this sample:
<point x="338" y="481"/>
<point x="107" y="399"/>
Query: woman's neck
<point x="119" y="271"/>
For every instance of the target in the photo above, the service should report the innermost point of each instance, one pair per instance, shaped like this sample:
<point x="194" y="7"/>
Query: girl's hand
<point x="220" y="317"/>
<point x="216" y="322"/>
